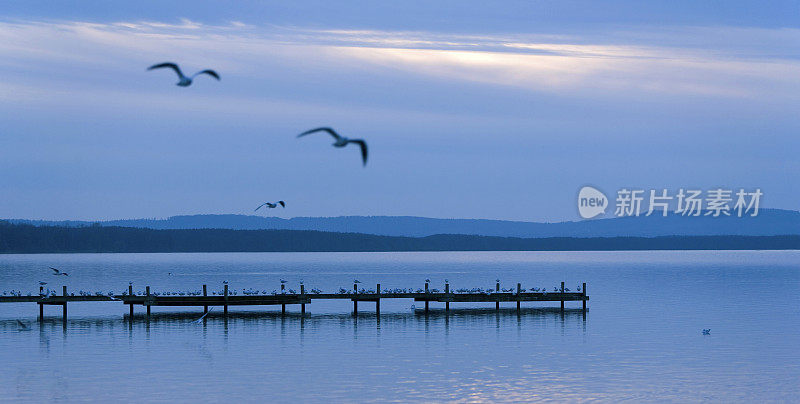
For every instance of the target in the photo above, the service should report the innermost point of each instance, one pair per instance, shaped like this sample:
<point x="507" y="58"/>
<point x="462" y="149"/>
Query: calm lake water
<point x="641" y="339"/>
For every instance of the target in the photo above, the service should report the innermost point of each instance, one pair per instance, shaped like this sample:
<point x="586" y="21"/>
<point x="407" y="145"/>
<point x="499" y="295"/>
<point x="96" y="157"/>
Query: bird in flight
<point x="183" y="81"/>
<point x="341" y="141"/>
<point x="23" y="326"/>
<point x="271" y="205"/>
<point x="57" y="272"/>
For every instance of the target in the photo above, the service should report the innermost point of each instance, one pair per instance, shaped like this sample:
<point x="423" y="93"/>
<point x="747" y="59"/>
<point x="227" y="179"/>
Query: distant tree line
<point x="23" y="238"/>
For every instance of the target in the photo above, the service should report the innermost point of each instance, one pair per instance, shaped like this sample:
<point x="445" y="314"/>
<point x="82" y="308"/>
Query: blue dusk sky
<point x="472" y="109"/>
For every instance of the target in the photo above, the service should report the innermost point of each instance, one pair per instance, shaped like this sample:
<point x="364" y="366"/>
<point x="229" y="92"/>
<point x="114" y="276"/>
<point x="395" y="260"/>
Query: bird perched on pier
<point x="42" y="283"/>
<point x="427" y="280"/>
<point x="283" y="281"/>
<point x="341" y="141"/>
<point x="183" y="81"/>
<point x="356" y="281"/>
<point x="57" y="272"/>
<point x="271" y="205"/>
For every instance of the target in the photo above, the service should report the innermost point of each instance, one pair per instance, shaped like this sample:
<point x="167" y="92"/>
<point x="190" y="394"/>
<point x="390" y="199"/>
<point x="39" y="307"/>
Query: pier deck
<point x="303" y="298"/>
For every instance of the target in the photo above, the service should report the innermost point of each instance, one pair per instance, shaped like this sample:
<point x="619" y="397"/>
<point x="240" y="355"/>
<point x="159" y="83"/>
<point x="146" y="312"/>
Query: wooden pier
<point x="303" y="298"/>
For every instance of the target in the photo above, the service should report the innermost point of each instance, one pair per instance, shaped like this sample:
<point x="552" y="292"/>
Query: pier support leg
<point x="497" y="290"/>
<point x="205" y="293"/>
<point x="302" y="293"/>
<point x="584" y="295"/>
<point x="355" y="302"/>
<point x="130" y="306"/>
<point x="426" y="302"/>
<point x="64" y="290"/>
<point x="447" y="304"/>
<point x="378" y="301"/>
<point x="283" y="306"/>
<point x="41" y="312"/>
<point x="562" y="296"/>
<point x="225" y="306"/>
<point x="519" y="289"/>
<point x="147" y="292"/>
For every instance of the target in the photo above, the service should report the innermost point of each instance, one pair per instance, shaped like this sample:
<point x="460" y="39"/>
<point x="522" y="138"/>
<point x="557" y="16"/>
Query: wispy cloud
<point x="543" y="63"/>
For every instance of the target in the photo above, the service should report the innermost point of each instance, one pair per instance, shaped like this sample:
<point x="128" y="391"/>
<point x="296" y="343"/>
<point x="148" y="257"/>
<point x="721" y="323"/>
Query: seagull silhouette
<point x="271" y="205"/>
<point x="183" y="81"/>
<point x="341" y="141"/>
<point x="57" y="272"/>
<point x="200" y="320"/>
<point x="23" y="326"/>
<point x="707" y="331"/>
<point x="356" y="281"/>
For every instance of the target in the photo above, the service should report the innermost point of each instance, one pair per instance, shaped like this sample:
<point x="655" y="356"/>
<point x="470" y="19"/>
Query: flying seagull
<point x="200" y="320"/>
<point x="271" y="205"/>
<point x="57" y="272"/>
<point x="706" y="331"/>
<point x="183" y="80"/>
<point x="341" y="141"/>
<point x="23" y="326"/>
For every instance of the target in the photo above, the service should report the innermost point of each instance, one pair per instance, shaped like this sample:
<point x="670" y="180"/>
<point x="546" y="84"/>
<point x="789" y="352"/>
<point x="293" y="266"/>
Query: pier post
<point x="41" y="306"/>
<point x="303" y="295"/>
<point x="426" y="297"/>
<point x="147" y="303"/>
<point x="205" y="293"/>
<point x="519" y="289"/>
<point x="64" y="291"/>
<point x="130" y="305"/>
<point x="497" y="290"/>
<point x="447" y="292"/>
<point x="283" y="306"/>
<point x="355" y="301"/>
<point x="378" y="301"/>
<point x="562" y="296"/>
<point x="225" y="297"/>
<point x="584" y="296"/>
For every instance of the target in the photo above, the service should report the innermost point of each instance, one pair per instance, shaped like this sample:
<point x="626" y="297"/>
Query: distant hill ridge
<point x="769" y="222"/>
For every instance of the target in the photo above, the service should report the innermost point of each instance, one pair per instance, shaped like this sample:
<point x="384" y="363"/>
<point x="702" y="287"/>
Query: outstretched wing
<point x="55" y="271"/>
<point x="329" y="130"/>
<point x="282" y="204"/>
<point x="21" y="324"/>
<point x="172" y="66"/>
<point x="259" y="206"/>
<point x="208" y="72"/>
<point x="363" y="145"/>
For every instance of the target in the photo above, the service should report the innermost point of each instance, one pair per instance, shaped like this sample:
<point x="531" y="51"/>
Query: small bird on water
<point x="271" y="205"/>
<point x="57" y="272"/>
<point x="341" y="141"/>
<point x="183" y="81"/>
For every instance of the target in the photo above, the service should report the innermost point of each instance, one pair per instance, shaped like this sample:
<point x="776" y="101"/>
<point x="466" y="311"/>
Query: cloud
<point x="618" y="64"/>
